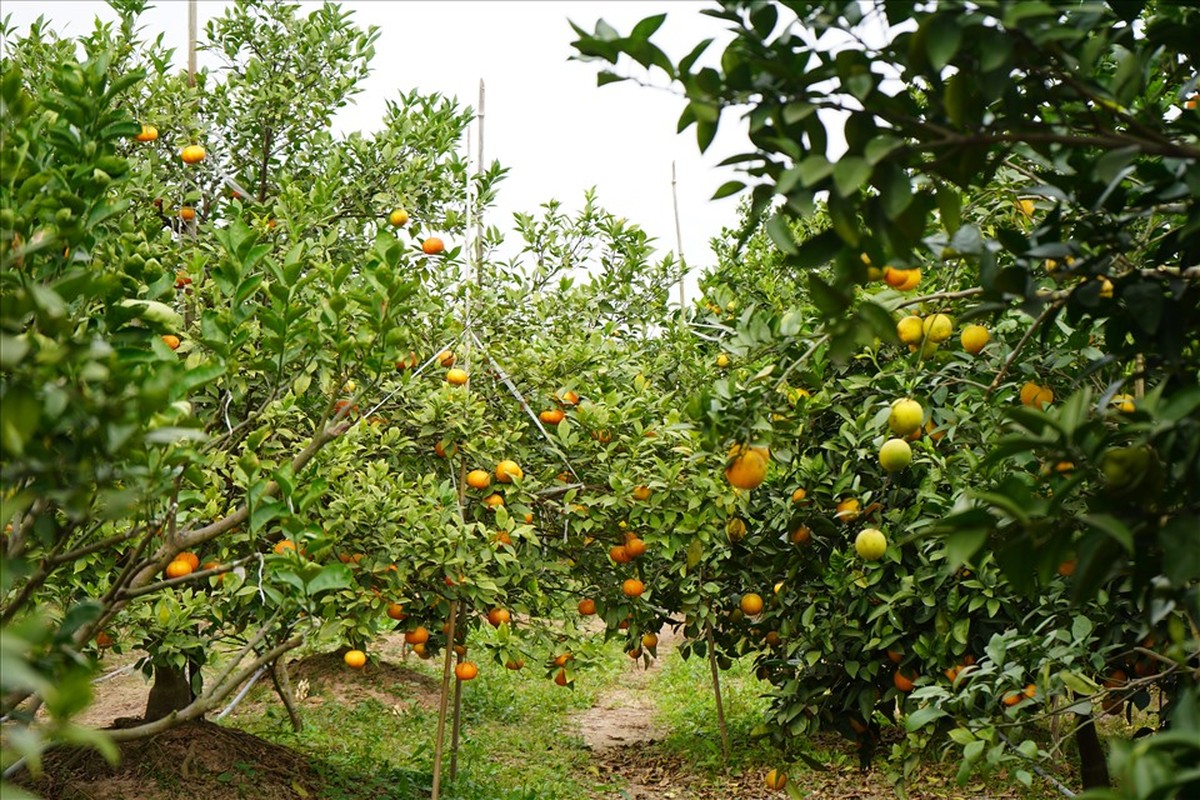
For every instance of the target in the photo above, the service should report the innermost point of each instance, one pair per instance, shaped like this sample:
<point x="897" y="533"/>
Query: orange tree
<point x="175" y="351"/>
<point x="220" y="440"/>
<point x="1037" y="166"/>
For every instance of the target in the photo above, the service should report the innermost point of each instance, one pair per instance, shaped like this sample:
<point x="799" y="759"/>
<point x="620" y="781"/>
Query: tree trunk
<point x="171" y="691"/>
<point x="1093" y="769"/>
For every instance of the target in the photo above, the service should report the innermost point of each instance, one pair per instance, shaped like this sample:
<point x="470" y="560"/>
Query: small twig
<point x="1037" y="767"/>
<point x="1012" y="357"/>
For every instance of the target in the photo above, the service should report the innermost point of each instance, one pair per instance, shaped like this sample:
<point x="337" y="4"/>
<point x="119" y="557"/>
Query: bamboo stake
<point x="192" y="42"/>
<point x="479" y="215"/>
<point x="442" y="703"/>
<point x="454" y="731"/>
<point x="716" y="682"/>
<point x="678" y="238"/>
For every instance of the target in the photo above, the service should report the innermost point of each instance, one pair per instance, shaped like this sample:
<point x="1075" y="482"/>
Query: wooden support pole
<point x="442" y="704"/>
<point x="454" y="731"/>
<point x="678" y="238"/>
<point x="192" y="35"/>
<point x="479" y="212"/>
<point x="716" y="683"/>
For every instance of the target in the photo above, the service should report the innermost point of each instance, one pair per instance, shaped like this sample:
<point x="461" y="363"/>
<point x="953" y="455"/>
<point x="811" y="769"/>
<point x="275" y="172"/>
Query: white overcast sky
<point x="545" y="118"/>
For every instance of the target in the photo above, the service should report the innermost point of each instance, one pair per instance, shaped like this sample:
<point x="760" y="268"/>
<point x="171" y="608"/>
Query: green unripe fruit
<point x="906" y="416"/>
<point x="870" y="544"/>
<point x="895" y="455"/>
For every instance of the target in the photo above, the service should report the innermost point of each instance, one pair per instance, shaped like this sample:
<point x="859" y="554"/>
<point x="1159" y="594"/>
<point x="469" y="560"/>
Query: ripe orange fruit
<point x="634" y="652"/>
<point x="632" y="587"/>
<point x="189" y="558"/>
<point x="1037" y="396"/>
<point x="421" y="652"/>
<point x="396" y="611"/>
<point x="465" y="671"/>
<point x="751" y="604"/>
<point x="798" y="497"/>
<point x="355" y="659"/>
<point x="848" y="509"/>
<point x="903" y="680"/>
<point x="171" y="340"/>
<point x="502" y="537"/>
<point x="776" y="780"/>
<point x="514" y="664"/>
<point x="735" y="529"/>
<point x="602" y="436"/>
<point x="772" y="639"/>
<point x="507" y="470"/>
<point x="418" y="635"/>
<point x="895" y="656"/>
<point x="446" y="359"/>
<point x="192" y="154"/>
<point x="748" y="469"/>
<point x="178" y="568"/>
<point x="498" y="616"/>
<point x="634" y="546"/>
<point x="552" y="416"/>
<point x="562" y="659"/>
<point x="569" y="398"/>
<point x="1012" y="698"/>
<point x="561" y="677"/>
<point x="620" y="554"/>
<point x="494" y="500"/>
<point x="283" y="546"/>
<point x="456" y="377"/>
<point x="641" y="492"/>
<point x="398" y="217"/>
<point x="529" y="518"/>
<point x="187" y="213"/>
<point x="1030" y="691"/>
<point x="432" y="246"/>
<point x="104" y="640"/>
<point x="441" y="450"/>
<point x="801" y="535"/>
<point x="910" y="281"/>
<point x="649" y="640"/>
<point x="479" y="479"/>
<point x="148" y="133"/>
<point x="587" y="606"/>
<point x="974" y="338"/>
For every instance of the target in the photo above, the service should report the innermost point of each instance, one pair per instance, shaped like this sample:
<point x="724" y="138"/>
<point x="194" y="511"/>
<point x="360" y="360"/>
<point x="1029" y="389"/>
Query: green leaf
<point x="819" y="250"/>
<point x="942" y="36"/>
<point x="331" y="576"/>
<point x="781" y="234"/>
<point x="961" y="736"/>
<point x="728" y="188"/>
<point x="922" y="717"/>
<point x="828" y="300"/>
<point x="814" y="169"/>
<point x="1107" y="523"/>
<point x="849" y="174"/>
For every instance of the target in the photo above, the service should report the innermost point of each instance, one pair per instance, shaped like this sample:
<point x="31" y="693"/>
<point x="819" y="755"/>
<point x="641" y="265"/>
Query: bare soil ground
<point x="206" y="761"/>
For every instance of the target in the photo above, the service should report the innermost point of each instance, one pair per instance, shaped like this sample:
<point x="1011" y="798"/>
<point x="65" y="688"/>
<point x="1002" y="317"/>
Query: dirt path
<point x="622" y="720"/>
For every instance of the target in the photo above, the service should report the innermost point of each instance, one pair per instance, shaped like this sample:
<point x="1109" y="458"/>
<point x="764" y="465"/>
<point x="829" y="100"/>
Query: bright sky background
<point x="545" y="118"/>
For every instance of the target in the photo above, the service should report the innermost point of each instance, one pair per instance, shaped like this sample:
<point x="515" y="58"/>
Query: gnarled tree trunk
<point x="172" y="691"/>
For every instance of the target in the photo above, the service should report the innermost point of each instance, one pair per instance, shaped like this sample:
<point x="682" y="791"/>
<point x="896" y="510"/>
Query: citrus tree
<point x="1022" y="166"/>
<point x="175" y="348"/>
<point x="260" y="397"/>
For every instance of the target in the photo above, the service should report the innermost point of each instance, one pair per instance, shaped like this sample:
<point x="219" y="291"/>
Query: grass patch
<point x="518" y="740"/>
<point x="687" y="709"/>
